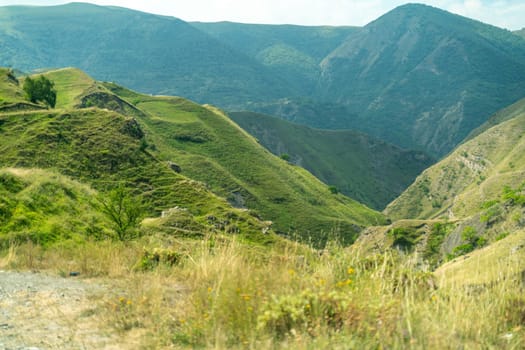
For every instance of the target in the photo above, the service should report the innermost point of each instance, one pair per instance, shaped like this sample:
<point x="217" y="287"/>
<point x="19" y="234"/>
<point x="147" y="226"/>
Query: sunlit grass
<point x="223" y="294"/>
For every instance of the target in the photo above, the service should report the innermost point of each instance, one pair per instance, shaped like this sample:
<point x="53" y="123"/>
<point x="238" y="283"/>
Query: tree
<point x="123" y="210"/>
<point x="40" y="89"/>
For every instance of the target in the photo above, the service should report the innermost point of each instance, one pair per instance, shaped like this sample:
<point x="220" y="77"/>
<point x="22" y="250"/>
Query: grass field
<point x="222" y="294"/>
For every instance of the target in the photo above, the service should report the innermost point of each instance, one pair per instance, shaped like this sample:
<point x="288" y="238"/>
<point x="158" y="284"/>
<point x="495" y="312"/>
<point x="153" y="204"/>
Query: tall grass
<point x="223" y="294"/>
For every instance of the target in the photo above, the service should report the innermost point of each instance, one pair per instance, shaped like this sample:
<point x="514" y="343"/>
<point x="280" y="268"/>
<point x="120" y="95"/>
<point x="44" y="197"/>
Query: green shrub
<point x="41" y="89"/>
<point x="404" y="238"/>
<point x="152" y="258"/>
<point x="308" y="311"/>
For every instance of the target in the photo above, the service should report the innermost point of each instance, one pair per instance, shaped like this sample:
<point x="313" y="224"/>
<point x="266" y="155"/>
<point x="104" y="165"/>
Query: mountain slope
<point x="209" y="147"/>
<point x="165" y="54"/>
<point x="289" y="50"/>
<point x="420" y="77"/>
<point x="475" y="173"/>
<point x="361" y="167"/>
<point x="417" y="77"/>
<point x="110" y="136"/>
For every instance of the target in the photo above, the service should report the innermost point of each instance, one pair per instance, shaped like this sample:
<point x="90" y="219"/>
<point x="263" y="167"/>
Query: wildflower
<point x="246" y="297"/>
<point x="291" y="272"/>
<point x="350" y="271"/>
<point x="210" y="289"/>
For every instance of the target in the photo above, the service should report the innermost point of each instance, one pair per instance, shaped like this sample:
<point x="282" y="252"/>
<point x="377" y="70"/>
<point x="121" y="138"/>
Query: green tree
<point x="41" y="89"/>
<point x="124" y="210"/>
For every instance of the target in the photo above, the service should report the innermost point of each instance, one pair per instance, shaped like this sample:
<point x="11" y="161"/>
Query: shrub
<point x="124" y="212"/>
<point x="333" y="189"/>
<point x="41" y="89"/>
<point x="285" y="157"/>
<point x="308" y="311"/>
<point x="153" y="258"/>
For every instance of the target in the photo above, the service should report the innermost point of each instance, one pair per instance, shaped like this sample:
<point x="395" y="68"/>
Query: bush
<point x="333" y="189"/>
<point x="152" y="258"/>
<point x="40" y="89"/>
<point x="307" y="311"/>
<point x="124" y="212"/>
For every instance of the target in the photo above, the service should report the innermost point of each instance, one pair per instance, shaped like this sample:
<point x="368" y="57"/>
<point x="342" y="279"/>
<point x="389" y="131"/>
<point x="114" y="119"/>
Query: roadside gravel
<point x="40" y="311"/>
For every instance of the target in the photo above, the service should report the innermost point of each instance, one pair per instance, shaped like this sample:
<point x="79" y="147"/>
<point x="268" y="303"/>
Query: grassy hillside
<point x="359" y="166"/>
<point x="424" y="78"/>
<point x="520" y="32"/>
<point x="474" y="173"/>
<point x="479" y="188"/>
<point x="46" y="207"/>
<point x="209" y="147"/>
<point x="147" y="141"/>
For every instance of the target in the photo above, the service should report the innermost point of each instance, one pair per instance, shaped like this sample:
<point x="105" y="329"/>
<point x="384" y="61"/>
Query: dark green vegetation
<point x="520" y="32"/>
<point x="105" y="135"/>
<point x="166" y="55"/>
<point x="424" y="78"/>
<point x="359" y="166"/>
<point x="418" y="77"/>
<point x="290" y="51"/>
<point x="40" y="89"/>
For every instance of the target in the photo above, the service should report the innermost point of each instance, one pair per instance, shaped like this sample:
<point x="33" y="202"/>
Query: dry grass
<point x="223" y="294"/>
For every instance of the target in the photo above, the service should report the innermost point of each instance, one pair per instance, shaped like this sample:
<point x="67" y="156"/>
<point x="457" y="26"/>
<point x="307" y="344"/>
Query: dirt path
<point x="40" y="312"/>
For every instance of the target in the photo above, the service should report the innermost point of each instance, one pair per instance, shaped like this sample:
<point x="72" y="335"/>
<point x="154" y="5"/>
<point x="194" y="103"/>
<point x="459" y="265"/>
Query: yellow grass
<point x="226" y="295"/>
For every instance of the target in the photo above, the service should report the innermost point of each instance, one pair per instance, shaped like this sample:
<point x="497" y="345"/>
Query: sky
<point x="509" y="14"/>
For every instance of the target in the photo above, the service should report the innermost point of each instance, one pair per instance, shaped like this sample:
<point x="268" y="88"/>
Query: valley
<point x="173" y="184"/>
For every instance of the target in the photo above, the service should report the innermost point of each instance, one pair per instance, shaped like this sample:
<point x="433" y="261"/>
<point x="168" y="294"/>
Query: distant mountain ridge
<point x="423" y="78"/>
<point x="417" y="77"/>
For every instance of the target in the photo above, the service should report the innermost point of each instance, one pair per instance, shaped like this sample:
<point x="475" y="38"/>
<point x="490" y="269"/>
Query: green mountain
<point x="291" y="51"/>
<point x="423" y="78"/>
<point x="165" y="54"/>
<point x="520" y="32"/>
<point x="174" y="151"/>
<point x="417" y="77"/>
<point x="475" y="173"/>
<point x="474" y="196"/>
<point x="361" y="167"/>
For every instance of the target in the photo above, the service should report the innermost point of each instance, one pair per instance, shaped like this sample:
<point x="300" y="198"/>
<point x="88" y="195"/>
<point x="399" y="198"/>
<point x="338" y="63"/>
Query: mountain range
<point x="418" y="77"/>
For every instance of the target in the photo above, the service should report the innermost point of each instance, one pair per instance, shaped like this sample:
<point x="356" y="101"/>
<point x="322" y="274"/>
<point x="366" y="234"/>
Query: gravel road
<point x="40" y="312"/>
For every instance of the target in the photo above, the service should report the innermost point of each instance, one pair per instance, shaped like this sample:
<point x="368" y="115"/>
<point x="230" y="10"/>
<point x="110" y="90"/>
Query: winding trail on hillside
<point x="40" y="312"/>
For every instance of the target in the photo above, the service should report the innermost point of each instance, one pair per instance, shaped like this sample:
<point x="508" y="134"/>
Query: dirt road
<point x="40" y="312"/>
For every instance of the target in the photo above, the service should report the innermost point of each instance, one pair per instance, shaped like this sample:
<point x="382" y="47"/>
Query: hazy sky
<point x="508" y="14"/>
